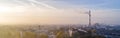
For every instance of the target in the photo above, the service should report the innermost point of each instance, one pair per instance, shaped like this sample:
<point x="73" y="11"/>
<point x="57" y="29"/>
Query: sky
<point x="59" y="11"/>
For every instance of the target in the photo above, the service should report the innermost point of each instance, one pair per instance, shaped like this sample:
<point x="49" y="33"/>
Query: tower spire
<point x="89" y="13"/>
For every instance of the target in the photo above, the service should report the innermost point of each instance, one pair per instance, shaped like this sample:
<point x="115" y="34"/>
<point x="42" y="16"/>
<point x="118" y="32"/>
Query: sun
<point x="5" y="9"/>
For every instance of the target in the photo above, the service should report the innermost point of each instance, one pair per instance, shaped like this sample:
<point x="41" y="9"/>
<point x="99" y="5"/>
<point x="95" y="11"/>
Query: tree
<point x="42" y="35"/>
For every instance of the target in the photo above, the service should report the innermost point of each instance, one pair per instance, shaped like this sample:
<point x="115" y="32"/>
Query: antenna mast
<point x="89" y="13"/>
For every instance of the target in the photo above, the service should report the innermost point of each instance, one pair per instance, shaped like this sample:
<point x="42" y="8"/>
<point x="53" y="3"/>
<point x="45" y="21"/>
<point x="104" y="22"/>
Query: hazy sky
<point x="59" y="11"/>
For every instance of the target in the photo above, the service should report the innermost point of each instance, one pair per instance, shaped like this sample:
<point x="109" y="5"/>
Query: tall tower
<point x="89" y="13"/>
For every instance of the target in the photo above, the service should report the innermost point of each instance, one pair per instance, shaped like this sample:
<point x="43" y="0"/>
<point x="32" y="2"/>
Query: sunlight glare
<point x="5" y="9"/>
